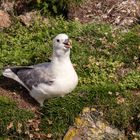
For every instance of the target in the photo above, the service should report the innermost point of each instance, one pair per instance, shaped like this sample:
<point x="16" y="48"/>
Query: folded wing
<point x="35" y="76"/>
<point x="30" y="76"/>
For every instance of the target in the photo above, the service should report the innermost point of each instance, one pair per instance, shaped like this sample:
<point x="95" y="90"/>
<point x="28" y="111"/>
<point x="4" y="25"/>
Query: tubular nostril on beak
<point x="67" y="42"/>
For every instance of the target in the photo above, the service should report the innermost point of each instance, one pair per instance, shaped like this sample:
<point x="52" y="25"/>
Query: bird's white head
<point x="61" y="45"/>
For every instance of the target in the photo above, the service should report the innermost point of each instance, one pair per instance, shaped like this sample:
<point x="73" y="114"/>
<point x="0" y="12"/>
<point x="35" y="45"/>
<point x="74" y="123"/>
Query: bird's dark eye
<point x="58" y="40"/>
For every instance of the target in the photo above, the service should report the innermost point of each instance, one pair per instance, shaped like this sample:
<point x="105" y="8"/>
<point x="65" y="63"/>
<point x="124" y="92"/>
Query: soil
<point x="16" y="92"/>
<point x="116" y="12"/>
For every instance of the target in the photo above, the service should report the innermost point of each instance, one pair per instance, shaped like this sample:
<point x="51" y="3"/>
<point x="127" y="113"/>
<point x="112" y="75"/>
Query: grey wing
<point x="45" y="65"/>
<point x="35" y="76"/>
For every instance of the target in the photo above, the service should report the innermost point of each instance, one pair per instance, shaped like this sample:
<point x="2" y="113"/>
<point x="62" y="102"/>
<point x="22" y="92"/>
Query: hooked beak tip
<point x="68" y="43"/>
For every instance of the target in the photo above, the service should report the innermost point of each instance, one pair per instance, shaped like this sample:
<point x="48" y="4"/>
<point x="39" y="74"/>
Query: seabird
<point x="49" y="79"/>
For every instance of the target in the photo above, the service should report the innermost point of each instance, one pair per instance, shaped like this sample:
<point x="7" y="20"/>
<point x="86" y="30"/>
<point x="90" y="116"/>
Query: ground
<point x="18" y="94"/>
<point x="107" y="60"/>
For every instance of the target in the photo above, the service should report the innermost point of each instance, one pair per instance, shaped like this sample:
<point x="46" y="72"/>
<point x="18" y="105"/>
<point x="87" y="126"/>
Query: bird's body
<point x="47" y="80"/>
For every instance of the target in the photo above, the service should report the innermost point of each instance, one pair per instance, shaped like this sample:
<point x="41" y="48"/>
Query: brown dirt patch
<point x="15" y="92"/>
<point x="116" y="12"/>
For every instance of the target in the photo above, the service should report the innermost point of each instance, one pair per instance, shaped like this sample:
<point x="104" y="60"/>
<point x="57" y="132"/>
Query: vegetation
<point x="54" y="7"/>
<point x="106" y="60"/>
<point x="12" y="119"/>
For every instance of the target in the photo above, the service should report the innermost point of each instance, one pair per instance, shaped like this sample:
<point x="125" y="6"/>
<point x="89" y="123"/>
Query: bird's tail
<point x="10" y="74"/>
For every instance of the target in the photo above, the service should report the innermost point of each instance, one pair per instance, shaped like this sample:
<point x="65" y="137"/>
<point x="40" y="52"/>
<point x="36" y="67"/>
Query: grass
<point x="12" y="119"/>
<point x="107" y="62"/>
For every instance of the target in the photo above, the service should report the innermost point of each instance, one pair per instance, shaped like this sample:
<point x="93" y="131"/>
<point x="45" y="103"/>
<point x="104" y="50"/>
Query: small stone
<point x="31" y="135"/>
<point x="138" y="116"/>
<point x="49" y="135"/>
<point x="28" y="18"/>
<point x="110" y="93"/>
<point x="76" y="19"/>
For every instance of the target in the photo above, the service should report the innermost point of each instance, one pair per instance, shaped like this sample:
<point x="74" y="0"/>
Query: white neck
<point x="60" y="60"/>
<point x="61" y="53"/>
<point x="61" y="63"/>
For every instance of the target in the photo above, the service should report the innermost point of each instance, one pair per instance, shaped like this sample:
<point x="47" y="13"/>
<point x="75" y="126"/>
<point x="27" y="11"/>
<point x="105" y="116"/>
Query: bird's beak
<point x="68" y="43"/>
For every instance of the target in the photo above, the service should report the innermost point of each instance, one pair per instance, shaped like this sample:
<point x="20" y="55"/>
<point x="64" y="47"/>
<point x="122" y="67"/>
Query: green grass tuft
<point x="11" y="114"/>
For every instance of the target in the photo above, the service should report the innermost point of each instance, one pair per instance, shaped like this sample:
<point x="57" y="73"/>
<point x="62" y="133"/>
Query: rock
<point x="90" y="125"/>
<point x="15" y="7"/>
<point x="8" y="6"/>
<point x="4" y="19"/>
<point x="116" y="12"/>
<point x="30" y="17"/>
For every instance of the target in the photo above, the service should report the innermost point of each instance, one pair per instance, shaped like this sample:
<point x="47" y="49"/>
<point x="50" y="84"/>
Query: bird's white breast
<point x="68" y="82"/>
<point x="65" y="81"/>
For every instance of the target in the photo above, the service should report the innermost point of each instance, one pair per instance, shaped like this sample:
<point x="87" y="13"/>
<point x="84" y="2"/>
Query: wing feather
<point x="31" y="75"/>
<point x="35" y="76"/>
